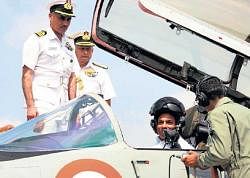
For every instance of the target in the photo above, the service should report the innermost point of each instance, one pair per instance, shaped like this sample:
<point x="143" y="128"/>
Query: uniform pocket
<point x="53" y="54"/>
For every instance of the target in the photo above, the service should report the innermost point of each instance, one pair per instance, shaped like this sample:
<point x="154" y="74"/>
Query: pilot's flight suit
<point x="228" y="143"/>
<point x="52" y="61"/>
<point x="94" y="78"/>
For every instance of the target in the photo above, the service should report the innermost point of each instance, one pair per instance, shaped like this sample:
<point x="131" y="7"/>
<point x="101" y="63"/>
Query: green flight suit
<point x="228" y="142"/>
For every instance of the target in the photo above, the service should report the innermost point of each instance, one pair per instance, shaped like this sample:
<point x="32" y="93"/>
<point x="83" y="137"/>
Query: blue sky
<point x="136" y="89"/>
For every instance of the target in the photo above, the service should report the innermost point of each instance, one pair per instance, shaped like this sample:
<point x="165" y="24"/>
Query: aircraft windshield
<point x="81" y="123"/>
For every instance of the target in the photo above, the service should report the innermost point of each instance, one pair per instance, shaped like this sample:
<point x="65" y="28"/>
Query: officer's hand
<point x="6" y="128"/>
<point x="190" y="159"/>
<point x="31" y="112"/>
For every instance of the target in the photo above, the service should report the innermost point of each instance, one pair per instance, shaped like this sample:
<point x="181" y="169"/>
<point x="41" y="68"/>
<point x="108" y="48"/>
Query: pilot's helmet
<point x="62" y="7"/>
<point x="168" y="105"/>
<point x="83" y="39"/>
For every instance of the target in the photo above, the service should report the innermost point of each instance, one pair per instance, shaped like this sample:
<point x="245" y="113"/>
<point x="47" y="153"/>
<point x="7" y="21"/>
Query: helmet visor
<point x="166" y="107"/>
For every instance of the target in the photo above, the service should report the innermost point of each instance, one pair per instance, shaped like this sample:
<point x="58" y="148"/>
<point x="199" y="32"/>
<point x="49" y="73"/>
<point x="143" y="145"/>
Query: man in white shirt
<point x="168" y="113"/>
<point x="48" y="78"/>
<point x="90" y="76"/>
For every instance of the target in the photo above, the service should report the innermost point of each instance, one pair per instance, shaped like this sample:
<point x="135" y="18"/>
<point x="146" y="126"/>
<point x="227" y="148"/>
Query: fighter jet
<point x="80" y="139"/>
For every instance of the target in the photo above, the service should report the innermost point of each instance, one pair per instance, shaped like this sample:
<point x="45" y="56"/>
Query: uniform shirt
<point x="183" y="143"/>
<point x="52" y="61"/>
<point x="228" y="144"/>
<point x="94" y="79"/>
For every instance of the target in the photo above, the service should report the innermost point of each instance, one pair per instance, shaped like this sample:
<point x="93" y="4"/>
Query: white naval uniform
<point x="52" y="61"/>
<point x="98" y="83"/>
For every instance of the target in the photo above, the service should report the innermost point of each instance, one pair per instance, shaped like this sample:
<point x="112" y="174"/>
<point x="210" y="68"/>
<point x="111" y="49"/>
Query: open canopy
<point x="225" y="18"/>
<point x="177" y="41"/>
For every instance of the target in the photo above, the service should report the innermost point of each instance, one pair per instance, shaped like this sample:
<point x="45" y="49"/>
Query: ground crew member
<point x="228" y="146"/>
<point x="91" y="77"/>
<point x="48" y="79"/>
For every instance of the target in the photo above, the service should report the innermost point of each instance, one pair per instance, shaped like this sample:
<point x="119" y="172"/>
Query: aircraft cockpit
<point x="82" y="131"/>
<point x="79" y="124"/>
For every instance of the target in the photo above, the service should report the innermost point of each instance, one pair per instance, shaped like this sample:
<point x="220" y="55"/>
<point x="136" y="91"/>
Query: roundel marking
<point x="81" y="165"/>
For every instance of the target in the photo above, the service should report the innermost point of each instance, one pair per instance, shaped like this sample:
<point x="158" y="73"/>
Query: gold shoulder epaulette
<point x="100" y="65"/>
<point x="41" y="33"/>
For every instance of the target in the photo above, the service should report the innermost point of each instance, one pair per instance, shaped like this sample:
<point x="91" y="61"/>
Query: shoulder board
<point x="100" y="65"/>
<point x="41" y="33"/>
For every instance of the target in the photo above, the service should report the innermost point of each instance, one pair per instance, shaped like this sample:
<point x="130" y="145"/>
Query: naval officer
<point x="90" y="76"/>
<point x="48" y="78"/>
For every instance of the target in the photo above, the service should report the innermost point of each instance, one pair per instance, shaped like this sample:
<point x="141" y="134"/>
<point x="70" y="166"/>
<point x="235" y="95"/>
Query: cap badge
<point x="68" y="6"/>
<point x="86" y="36"/>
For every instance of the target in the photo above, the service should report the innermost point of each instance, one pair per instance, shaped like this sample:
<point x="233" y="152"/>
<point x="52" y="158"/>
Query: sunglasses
<point x="63" y="18"/>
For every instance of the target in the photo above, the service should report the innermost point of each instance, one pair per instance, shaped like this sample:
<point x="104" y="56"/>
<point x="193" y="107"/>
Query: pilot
<point x="168" y="119"/>
<point x="228" y="146"/>
<point x="48" y="78"/>
<point x="90" y="76"/>
<point x="168" y="113"/>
